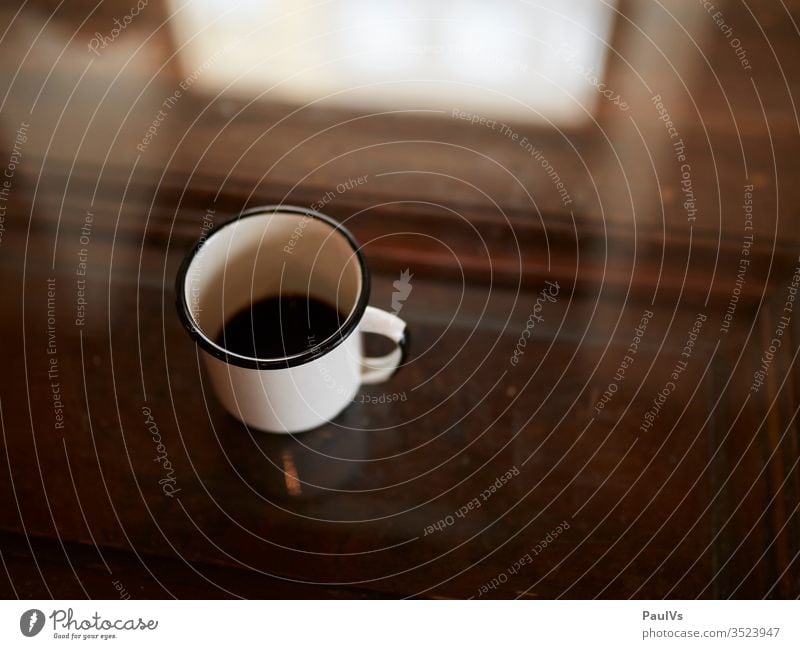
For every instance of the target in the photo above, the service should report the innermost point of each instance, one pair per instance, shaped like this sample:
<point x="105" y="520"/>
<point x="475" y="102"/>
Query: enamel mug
<point x="272" y="251"/>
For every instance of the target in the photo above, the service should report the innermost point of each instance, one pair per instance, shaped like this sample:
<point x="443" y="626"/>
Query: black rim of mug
<point x="322" y="348"/>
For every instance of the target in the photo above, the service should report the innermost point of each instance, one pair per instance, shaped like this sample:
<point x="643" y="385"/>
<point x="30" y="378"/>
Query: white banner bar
<point x="333" y="624"/>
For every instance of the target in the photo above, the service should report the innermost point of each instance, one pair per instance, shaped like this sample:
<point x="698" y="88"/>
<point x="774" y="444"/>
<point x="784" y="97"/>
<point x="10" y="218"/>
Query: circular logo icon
<point x="31" y="622"/>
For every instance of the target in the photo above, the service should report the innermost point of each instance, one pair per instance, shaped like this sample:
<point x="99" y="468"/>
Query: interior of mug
<point x="270" y="254"/>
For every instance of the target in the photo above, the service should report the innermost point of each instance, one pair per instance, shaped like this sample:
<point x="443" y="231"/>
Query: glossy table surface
<point x="642" y="442"/>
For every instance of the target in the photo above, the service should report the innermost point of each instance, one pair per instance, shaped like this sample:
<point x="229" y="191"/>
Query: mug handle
<point x="380" y="368"/>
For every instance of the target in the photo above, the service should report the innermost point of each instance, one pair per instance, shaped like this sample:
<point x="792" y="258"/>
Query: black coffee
<point x="280" y="326"/>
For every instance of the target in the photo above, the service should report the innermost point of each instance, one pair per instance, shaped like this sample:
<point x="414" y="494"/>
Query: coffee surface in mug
<point x="279" y="326"/>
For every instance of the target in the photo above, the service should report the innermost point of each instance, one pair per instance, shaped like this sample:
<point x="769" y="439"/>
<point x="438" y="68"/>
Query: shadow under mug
<point x="283" y="250"/>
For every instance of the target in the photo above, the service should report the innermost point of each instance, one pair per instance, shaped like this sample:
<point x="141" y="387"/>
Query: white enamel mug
<point x="282" y="250"/>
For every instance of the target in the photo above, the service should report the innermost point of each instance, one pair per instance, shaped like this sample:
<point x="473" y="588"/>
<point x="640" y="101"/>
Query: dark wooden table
<point x="683" y="484"/>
